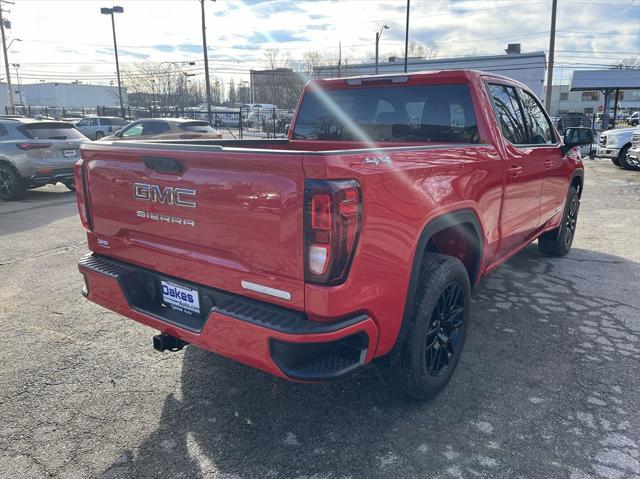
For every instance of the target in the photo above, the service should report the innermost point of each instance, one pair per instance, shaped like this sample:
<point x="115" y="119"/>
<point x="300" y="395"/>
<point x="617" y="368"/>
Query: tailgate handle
<point x="163" y="165"/>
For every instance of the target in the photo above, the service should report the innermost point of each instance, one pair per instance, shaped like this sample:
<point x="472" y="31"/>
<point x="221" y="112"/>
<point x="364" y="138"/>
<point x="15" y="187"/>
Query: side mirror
<point x="577" y="136"/>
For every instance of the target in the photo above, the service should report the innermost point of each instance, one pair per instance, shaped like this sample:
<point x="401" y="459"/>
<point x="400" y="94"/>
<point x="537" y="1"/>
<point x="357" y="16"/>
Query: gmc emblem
<point x="167" y="195"/>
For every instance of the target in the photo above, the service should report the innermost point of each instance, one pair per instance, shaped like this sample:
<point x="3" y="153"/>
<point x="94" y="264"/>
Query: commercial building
<point x="589" y="102"/>
<point x="61" y="95"/>
<point x="528" y="68"/>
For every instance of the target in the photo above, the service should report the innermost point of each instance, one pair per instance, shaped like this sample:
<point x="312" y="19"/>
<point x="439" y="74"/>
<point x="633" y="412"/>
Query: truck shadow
<point x="544" y="337"/>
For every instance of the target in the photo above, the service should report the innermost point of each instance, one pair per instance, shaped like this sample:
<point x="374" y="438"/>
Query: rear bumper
<point x="45" y="177"/>
<point x="273" y="339"/>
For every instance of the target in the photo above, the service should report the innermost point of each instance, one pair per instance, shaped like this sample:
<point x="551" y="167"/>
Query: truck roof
<point x="415" y="78"/>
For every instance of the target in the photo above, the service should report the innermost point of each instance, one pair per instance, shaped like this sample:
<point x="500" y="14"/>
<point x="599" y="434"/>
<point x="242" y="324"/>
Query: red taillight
<point x="82" y="195"/>
<point x="33" y="146"/>
<point x="332" y="223"/>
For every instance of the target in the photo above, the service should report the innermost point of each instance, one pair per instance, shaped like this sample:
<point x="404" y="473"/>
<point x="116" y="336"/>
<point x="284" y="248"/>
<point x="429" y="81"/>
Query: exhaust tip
<point x="165" y="342"/>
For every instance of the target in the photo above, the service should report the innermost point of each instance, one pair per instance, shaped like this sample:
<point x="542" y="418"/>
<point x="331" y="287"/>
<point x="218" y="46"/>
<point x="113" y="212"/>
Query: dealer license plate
<point x="180" y="298"/>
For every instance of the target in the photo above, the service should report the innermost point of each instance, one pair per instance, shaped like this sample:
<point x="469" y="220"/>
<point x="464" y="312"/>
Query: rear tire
<point x="558" y="241"/>
<point x="438" y="327"/>
<point x="12" y="186"/>
<point x="99" y="135"/>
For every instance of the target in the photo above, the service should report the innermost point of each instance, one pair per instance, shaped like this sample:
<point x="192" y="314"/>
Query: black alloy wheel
<point x="571" y="221"/>
<point x="443" y="336"/>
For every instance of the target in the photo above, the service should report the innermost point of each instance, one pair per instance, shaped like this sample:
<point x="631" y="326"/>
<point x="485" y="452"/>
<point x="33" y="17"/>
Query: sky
<point x="67" y="40"/>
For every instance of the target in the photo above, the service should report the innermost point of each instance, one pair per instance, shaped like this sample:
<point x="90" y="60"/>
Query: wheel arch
<point x="465" y="218"/>
<point x="577" y="180"/>
<point x="4" y="161"/>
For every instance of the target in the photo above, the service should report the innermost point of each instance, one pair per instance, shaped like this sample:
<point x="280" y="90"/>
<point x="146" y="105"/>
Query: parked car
<point x="633" y="155"/>
<point x="359" y="237"/>
<point x="34" y="153"/>
<point x="615" y="144"/>
<point x="166" y="129"/>
<point x="634" y="119"/>
<point x="96" y="127"/>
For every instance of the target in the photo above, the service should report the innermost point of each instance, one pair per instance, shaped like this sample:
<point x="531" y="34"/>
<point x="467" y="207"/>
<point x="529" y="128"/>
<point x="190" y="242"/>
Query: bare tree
<point x="233" y="93"/>
<point x="313" y="59"/>
<point x="160" y="85"/>
<point x="279" y="83"/>
<point x="629" y="63"/>
<point x="427" y="51"/>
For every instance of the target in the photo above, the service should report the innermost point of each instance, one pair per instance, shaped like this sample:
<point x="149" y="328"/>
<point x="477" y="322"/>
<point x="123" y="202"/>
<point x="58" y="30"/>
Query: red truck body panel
<point x="249" y="224"/>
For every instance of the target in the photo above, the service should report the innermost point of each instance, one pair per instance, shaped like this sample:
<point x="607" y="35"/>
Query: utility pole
<point x="6" y="63"/>
<point x="552" y="47"/>
<point x="207" y="80"/>
<point x="111" y="11"/>
<point x="339" y="58"/>
<point x="406" y="37"/>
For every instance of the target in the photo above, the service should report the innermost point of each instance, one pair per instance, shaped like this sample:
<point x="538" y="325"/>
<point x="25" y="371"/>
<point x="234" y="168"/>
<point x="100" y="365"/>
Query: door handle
<point x="515" y="170"/>
<point x="548" y="163"/>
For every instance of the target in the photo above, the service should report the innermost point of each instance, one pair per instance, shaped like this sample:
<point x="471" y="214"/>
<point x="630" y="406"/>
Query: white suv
<point x="96" y="127"/>
<point x="615" y="144"/>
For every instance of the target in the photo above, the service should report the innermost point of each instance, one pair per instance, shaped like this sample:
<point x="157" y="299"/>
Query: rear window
<point x="113" y="121"/>
<point x="438" y="113"/>
<point x="51" y="131"/>
<point x="196" y="126"/>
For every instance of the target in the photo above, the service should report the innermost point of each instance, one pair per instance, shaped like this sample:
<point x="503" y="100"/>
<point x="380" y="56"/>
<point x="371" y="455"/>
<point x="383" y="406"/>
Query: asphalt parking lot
<point x="547" y="387"/>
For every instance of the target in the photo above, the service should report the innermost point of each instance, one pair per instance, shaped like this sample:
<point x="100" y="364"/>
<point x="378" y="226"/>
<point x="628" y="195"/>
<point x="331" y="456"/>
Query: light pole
<point x="153" y="94"/>
<point x="406" y="37"/>
<point x="207" y="80"/>
<point x="111" y="11"/>
<point x="17" y="67"/>
<point x="378" y="35"/>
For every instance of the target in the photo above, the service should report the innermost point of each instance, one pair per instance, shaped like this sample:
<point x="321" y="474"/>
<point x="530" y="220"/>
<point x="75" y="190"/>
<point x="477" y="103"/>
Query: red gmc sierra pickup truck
<point x="357" y="237"/>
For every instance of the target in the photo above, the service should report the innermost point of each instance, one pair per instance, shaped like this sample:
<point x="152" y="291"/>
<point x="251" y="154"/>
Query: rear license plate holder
<point x="180" y="297"/>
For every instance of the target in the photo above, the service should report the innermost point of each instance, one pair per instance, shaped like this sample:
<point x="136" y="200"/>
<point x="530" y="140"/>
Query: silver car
<point x="34" y="153"/>
<point x="96" y="127"/>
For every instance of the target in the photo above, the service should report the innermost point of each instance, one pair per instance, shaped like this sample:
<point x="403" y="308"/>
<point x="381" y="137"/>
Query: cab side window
<point x="509" y="113"/>
<point x="539" y="130"/>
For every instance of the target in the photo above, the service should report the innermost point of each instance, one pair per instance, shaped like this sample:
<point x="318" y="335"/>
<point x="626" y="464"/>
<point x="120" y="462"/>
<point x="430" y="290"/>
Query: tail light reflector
<point x="82" y="195"/>
<point x="33" y="146"/>
<point x="333" y="211"/>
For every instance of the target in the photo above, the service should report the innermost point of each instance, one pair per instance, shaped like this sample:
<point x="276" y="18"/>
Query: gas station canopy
<point x="612" y="79"/>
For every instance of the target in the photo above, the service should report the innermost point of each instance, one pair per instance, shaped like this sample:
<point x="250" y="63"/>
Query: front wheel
<point x="12" y="187"/>
<point x="624" y="162"/>
<point x="558" y="241"/>
<point x="438" y="327"/>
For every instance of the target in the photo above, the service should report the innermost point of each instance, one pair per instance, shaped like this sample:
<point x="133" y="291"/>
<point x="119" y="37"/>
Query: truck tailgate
<point x="224" y="219"/>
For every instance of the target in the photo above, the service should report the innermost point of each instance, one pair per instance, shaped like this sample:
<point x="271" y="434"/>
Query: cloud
<point x="164" y="48"/>
<point x="278" y="36"/>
